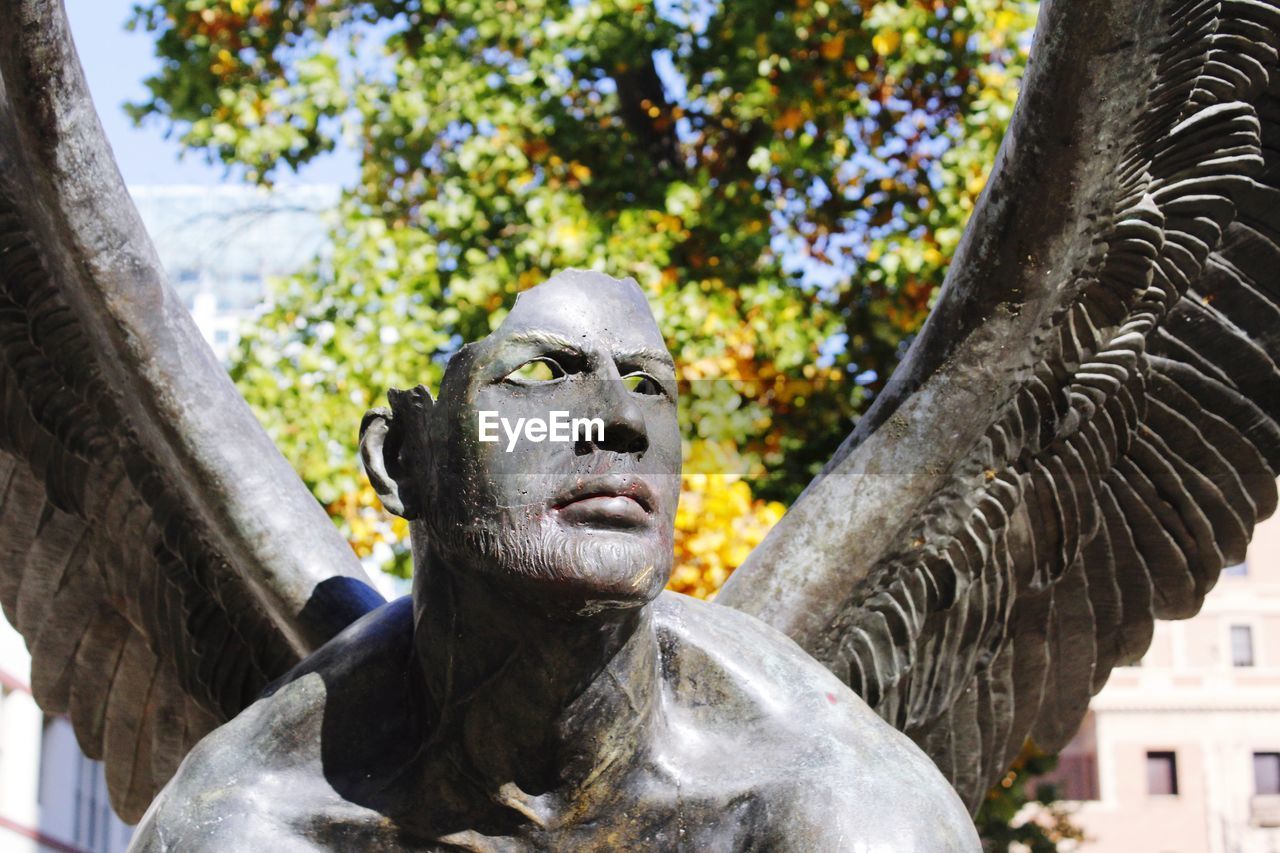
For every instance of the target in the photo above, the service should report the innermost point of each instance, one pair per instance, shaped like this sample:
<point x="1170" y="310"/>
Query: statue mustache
<point x="621" y="472"/>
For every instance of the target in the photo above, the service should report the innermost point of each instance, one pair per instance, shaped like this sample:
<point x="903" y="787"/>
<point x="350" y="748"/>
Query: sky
<point x="116" y="62"/>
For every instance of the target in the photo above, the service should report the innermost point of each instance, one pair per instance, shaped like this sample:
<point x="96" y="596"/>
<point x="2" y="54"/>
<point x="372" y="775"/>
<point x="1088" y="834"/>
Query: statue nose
<point x="624" y="426"/>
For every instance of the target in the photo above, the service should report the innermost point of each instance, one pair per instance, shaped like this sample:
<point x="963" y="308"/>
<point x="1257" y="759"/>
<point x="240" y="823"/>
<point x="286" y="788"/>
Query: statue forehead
<point x="587" y="307"/>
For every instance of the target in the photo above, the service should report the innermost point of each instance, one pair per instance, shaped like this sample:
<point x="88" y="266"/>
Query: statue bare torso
<point x="761" y="749"/>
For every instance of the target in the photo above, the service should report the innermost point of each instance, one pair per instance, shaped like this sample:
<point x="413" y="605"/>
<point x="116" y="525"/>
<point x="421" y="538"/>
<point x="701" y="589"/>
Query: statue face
<point x="582" y="524"/>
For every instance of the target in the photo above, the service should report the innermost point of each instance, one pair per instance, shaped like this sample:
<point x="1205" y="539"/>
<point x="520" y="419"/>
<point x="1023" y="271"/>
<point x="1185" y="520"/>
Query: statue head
<point x="550" y="462"/>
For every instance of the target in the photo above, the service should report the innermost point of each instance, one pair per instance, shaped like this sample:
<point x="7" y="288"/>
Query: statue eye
<point x="642" y="383"/>
<point x="537" y="370"/>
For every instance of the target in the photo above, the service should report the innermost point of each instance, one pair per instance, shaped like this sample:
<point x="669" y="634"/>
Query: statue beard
<point x="625" y="568"/>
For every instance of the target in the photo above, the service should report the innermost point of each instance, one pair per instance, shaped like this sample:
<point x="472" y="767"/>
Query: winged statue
<point x="1083" y="434"/>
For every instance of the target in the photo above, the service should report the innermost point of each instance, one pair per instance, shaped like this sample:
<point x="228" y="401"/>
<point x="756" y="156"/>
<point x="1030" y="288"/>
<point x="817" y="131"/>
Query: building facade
<point x="52" y="798"/>
<point x="221" y="246"/>
<point x="1181" y="754"/>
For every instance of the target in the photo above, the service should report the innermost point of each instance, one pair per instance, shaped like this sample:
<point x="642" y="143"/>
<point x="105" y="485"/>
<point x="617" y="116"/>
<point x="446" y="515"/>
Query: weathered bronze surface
<point x="1084" y="432"/>
<point x="542" y="691"/>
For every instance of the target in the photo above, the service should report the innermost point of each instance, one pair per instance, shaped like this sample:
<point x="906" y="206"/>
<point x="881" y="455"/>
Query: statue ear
<point x="381" y="442"/>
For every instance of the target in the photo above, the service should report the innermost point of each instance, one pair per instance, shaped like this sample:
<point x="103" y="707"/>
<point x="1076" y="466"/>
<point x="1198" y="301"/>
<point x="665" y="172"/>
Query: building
<point x="1182" y="752"/>
<point x="52" y="798"/>
<point x="222" y="245"/>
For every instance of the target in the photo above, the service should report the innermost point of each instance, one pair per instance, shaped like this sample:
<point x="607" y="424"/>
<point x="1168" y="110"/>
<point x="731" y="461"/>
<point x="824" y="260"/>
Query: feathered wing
<point x="1086" y="429"/>
<point x="162" y="560"/>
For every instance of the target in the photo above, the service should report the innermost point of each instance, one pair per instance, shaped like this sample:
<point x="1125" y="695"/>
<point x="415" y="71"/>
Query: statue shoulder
<point x="718" y="648"/>
<point x="813" y="748"/>
<point x="231" y="789"/>
<point x="263" y="774"/>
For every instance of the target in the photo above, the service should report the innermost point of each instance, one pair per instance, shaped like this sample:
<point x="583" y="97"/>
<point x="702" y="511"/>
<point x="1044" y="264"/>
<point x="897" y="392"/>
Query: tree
<point x="1004" y="819"/>
<point x="787" y="183"/>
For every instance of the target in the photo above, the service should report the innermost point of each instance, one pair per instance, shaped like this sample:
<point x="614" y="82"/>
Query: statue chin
<point x="566" y="570"/>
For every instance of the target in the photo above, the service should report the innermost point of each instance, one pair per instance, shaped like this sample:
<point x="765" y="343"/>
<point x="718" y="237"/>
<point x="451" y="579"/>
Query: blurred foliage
<point x="1021" y="813"/>
<point x="786" y="181"/>
<point x="719" y="521"/>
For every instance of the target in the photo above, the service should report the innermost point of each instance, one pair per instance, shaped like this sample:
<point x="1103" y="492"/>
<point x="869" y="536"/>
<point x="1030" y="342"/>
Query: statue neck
<point x="530" y="708"/>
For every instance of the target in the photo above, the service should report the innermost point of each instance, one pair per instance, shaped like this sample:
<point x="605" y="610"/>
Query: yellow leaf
<point x="886" y="43"/>
<point x="833" y="48"/>
<point x="791" y="119"/>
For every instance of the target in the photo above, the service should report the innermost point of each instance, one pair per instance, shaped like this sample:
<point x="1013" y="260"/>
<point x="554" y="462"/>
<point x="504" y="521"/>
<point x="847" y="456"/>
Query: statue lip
<point x="608" y="486"/>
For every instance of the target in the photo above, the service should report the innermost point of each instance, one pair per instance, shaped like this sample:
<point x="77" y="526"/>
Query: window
<point x="1241" y="645"/>
<point x="1239" y="570"/>
<point x="1162" y="774"/>
<point x="1266" y="772"/>
<point x="1076" y="776"/>
<point x="42" y="772"/>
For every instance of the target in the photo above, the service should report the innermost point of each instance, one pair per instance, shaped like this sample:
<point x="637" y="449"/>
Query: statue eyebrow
<point x="644" y="354"/>
<point x="547" y="339"/>
<point x="557" y="341"/>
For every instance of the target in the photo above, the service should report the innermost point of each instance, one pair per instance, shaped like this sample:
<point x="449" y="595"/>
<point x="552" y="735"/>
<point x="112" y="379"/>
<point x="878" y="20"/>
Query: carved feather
<point x="159" y="556"/>
<point x="1106" y="343"/>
